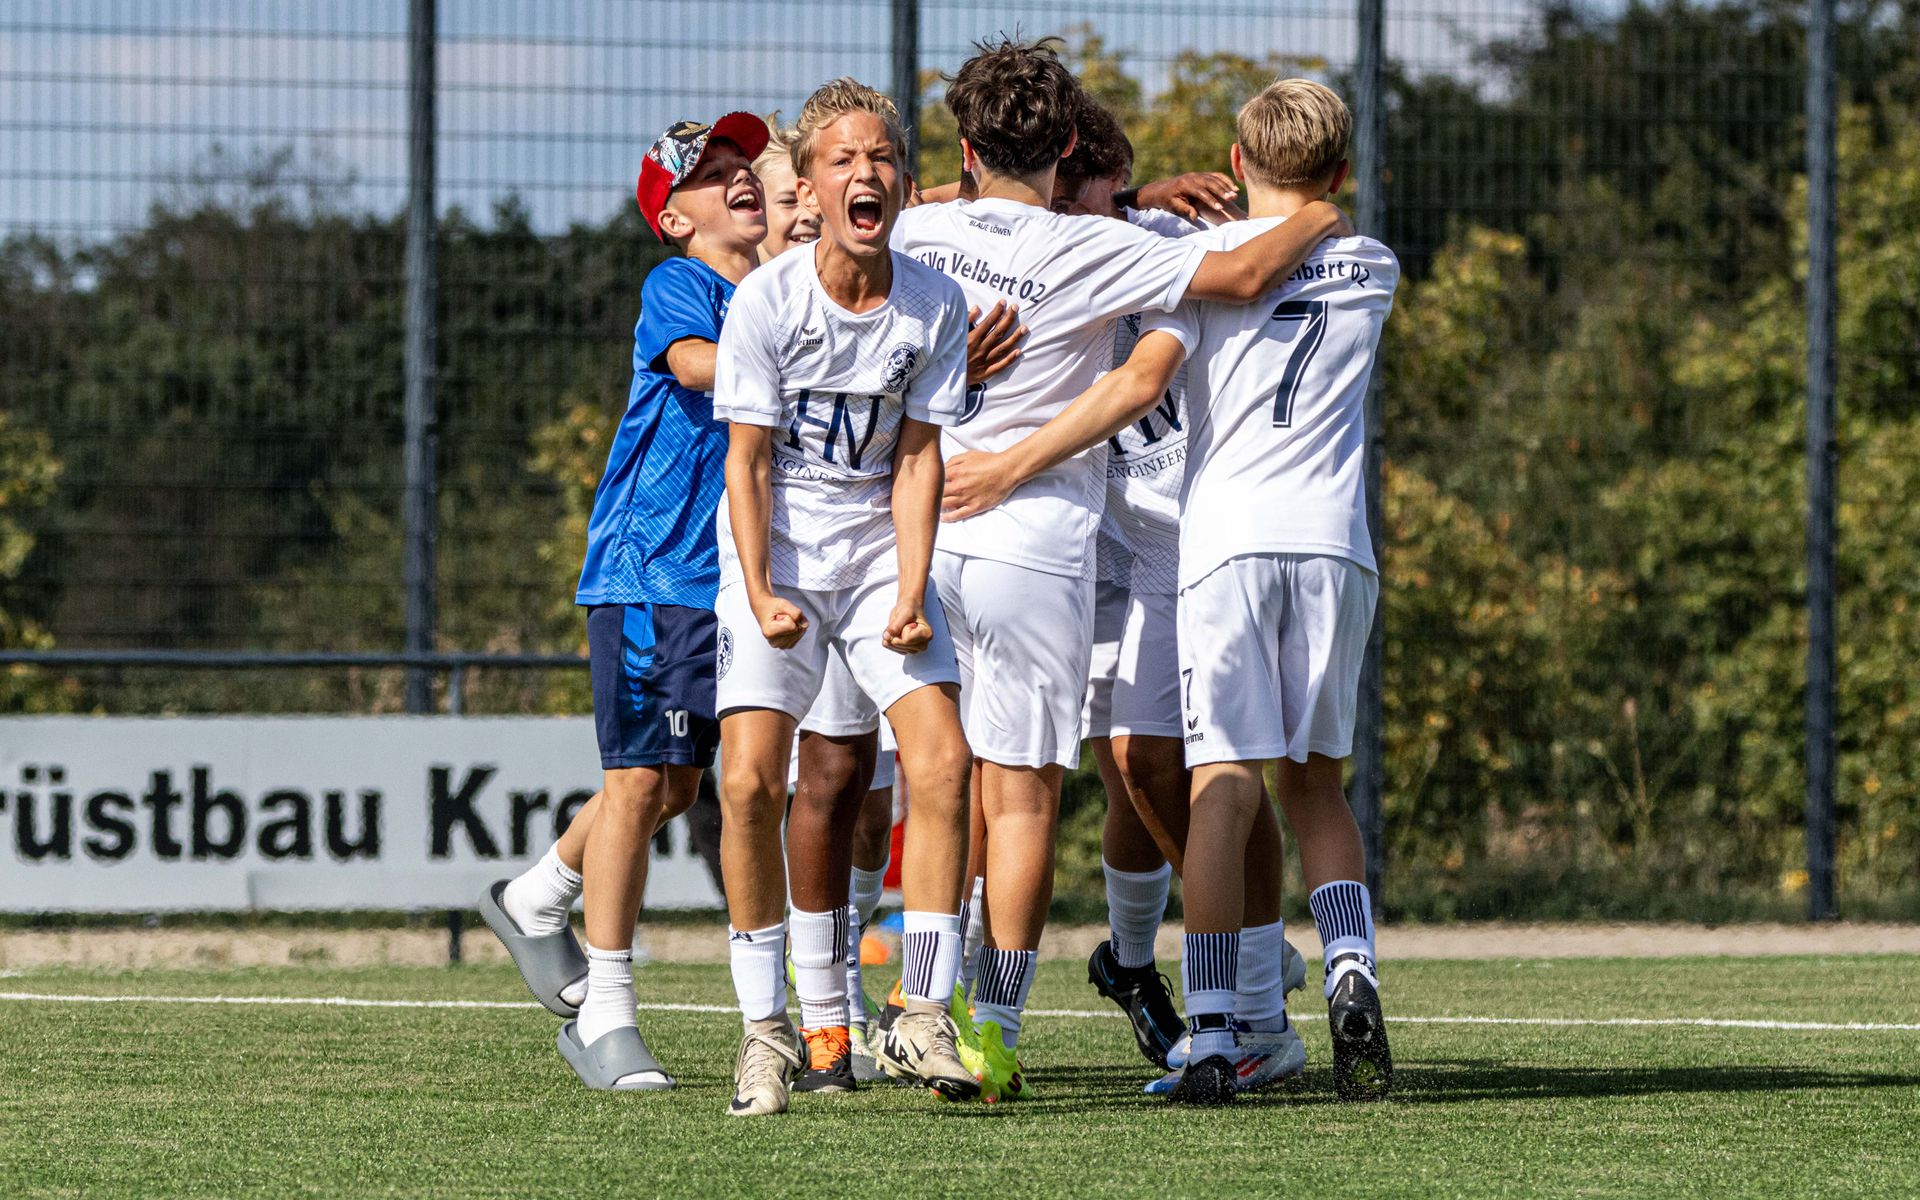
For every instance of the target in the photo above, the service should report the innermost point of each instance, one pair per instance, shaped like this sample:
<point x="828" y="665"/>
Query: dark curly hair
<point x="1016" y="104"/>
<point x="1101" y="149"/>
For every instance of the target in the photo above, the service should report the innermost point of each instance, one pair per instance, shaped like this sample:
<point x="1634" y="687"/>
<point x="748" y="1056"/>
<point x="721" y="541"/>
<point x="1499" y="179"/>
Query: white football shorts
<point x="1270" y="651"/>
<point x="1024" y="641"/>
<point x="750" y="673"/>
<point x="1109" y="620"/>
<point x="841" y="709"/>
<point x="1146" y="689"/>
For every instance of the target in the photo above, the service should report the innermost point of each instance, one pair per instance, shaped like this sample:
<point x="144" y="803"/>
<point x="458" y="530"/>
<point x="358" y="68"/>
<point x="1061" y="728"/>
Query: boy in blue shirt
<point x="648" y="585"/>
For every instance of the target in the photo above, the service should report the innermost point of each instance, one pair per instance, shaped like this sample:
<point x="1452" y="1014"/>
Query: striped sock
<point x="820" y="966"/>
<point x="1000" y="993"/>
<point x="930" y="955"/>
<point x="1209" y="974"/>
<point x="1343" y="913"/>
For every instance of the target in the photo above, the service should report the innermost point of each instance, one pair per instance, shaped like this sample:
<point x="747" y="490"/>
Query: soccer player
<point x="648" y="585"/>
<point x="838" y="366"/>
<point x="1277" y="576"/>
<point x="1017" y="581"/>
<point x="840" y="820"/>
<point x="1133" y="709"/>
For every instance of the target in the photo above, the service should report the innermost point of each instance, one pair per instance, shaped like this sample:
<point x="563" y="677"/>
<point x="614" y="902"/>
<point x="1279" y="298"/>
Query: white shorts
<point x="1109" y="619"/>
<point x="1024" y="640"/>
<point x="750" y="673"/>
<point x="1270" y="651"/>
<point x="841" y="709"/>
<point x="1146" y="692"/>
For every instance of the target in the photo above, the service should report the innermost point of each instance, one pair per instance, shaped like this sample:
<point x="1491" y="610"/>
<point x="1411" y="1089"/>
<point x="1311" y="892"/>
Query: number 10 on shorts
<point x="677" y="722"/>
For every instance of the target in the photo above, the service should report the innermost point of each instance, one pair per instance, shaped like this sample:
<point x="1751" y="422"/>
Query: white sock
<point x="539" y="898"/>
<point x="758" y="957"/>
<point x="1000" y="994"/>
<point x="609" y="1001"/>
<point x="1343" y="913"/>
<point x="973" y="931"/>
<point x="820" y="965"/>
<point x="929" y="955"/>
<point x="868" y="886"/>
<point x="1136" y="901"/>
<point x="1208" y="969"/>
<point x="1260" y="999"/>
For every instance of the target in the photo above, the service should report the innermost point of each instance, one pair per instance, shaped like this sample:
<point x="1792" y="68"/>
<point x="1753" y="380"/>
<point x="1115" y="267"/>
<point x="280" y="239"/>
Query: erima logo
<point x="1193" y="723"/>
<point x="741" y="935"/>
<point x="809" y="338"/>
<point x="1196" y="737"/>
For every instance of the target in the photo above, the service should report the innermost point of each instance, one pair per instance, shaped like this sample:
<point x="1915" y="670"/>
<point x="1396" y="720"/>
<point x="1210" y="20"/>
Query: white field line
<point x="1070" y="1013"/>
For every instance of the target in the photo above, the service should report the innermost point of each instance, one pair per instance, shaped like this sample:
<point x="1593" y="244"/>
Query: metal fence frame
<point x="420" y="500"/>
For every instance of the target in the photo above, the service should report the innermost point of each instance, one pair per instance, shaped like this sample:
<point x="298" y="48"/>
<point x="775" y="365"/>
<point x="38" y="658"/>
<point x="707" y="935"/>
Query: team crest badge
<point x="725" y="657"/>
<point x="900" y="363"/>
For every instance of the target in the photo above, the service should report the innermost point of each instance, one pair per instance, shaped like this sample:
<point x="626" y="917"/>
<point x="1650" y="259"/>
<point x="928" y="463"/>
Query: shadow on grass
<point x="1454" y="1081"/>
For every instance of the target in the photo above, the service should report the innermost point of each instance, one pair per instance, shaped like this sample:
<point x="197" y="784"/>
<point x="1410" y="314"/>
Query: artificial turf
<point x="154" y="1100"/>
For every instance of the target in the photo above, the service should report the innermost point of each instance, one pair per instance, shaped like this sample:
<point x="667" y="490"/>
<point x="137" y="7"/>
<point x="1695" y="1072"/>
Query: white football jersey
<point x="1071" y="276"/>
<point x="835" y="385"/>
<point x="1146" y="465"/>
<point x="1276" y="396"/>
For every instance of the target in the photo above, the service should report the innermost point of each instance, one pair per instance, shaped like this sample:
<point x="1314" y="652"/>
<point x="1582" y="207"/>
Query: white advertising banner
<point x="129" y="814"/>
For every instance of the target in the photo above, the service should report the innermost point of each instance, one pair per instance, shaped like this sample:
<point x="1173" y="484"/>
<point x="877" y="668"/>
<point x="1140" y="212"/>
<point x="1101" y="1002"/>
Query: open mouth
<point x="866" y="213"/>
<point x="745" y="202"/>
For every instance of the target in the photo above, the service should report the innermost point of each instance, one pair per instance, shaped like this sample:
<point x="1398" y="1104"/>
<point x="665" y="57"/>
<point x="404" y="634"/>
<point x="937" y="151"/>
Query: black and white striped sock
<point x="1209" y="975"/>
<point x="929" y="955"/>
<point x="1343" y="913"/>
<point x="1000" y="990"/>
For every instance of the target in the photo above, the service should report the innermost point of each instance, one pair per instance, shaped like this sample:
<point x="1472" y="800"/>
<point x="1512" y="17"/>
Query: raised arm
<point x="692" y="362"/>
<point x="978" y="481"/>
<point x="1244" y="274"/>
<point x="749" y="509"/>
<point x="917" y="476"/>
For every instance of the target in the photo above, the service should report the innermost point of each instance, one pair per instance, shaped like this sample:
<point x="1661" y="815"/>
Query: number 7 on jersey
<point x="1313" y="317"/>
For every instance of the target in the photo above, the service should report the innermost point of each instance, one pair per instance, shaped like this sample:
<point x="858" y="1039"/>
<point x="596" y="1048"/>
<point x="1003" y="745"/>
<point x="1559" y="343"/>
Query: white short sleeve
<point x="938" y="395"/>
<point x="746" y="378"/>
<point x="1183" y="323"/>
<point x="1132" y="270"/>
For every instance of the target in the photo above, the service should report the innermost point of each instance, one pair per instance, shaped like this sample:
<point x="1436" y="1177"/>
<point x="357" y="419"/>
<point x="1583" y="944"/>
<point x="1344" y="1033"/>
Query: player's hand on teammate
<point x="908" y="631"/>
<point x="781" y="621"/>
<point x="976" y="481"/>
<point x="994" y="342"/>
<point x="1209" y="197"/>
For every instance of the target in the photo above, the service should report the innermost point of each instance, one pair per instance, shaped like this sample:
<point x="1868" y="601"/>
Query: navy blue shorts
<point x="653" y="684"/>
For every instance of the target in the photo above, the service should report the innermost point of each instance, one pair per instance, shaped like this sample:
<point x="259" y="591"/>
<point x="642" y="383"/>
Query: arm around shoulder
<point x="1244" y="274"/>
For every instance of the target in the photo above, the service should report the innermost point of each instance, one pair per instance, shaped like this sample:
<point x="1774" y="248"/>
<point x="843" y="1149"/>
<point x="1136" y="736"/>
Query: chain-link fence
<point x="1593" y="393"/>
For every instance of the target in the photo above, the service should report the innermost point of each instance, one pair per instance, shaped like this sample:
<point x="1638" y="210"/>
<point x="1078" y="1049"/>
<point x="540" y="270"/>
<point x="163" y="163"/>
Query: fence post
<point x="419" y="502"/>
<point x="1820" y="698"/>
<point x="906" y="74"/>
<point x="1370" y="208"/>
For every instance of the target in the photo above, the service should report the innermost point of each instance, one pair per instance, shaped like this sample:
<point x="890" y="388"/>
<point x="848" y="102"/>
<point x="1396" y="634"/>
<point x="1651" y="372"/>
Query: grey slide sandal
<point x="548" y="962"/>
<point x="620" y="1052"/>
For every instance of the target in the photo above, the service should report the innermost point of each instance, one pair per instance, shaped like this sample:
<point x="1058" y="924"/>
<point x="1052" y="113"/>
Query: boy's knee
<point x="1150" y="769"/>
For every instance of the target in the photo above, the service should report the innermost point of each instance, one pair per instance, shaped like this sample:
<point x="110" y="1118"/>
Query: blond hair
<point x="1295" y="131"/>
<point x="837" y="99"/>
<point x="779" y="149"/>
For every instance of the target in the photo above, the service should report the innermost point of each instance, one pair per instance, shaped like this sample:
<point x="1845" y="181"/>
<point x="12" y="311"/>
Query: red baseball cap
<point x="675" y="154"/>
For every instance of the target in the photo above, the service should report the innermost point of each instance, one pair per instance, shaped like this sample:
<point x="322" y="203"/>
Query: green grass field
<point x="149" y="1099"/>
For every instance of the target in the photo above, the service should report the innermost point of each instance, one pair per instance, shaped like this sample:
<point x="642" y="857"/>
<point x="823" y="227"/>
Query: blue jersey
<point x="651" y="537"/>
